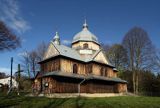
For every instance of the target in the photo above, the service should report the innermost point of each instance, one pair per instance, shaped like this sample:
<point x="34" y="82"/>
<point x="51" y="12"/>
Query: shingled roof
<point x="73" y="54"/>
<point x="79" y="76"/>
<point x="68" y="52"/>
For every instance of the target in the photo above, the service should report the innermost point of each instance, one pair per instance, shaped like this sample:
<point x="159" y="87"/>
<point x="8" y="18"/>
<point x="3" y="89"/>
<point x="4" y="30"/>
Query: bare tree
<point x="30" y="59"/>
<point x="140" y="52"/>
<point x="106" y="47"/>
<point x="157" y="61"/>
<point x="8" y="40"/>
<point x="2" y="75"/>
<point x="33" y="57"/>
<point x="117" y="55"/>
<point x="41" y="49"/>
<point x="26" y="63"/>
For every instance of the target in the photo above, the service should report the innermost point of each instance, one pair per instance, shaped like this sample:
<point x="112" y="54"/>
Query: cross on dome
<point x="85" y="25"/>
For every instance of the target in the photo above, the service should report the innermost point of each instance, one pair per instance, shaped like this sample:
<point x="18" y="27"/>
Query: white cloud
<point x="66" y="42"/>
<point x="22" y="54"/>
<point x="10" y="14"/>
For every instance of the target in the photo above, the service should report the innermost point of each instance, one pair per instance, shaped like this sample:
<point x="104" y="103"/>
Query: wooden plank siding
<point x="107" y="71"/>
<point x="85" y="69"/>
<point x="61" y="85"/>
<point x="70" y="85"/>
<point x="53" y="65"/>
<point x="67" y="66"/>
<point x="121" y="87"/>
<point x="94" y="86"/>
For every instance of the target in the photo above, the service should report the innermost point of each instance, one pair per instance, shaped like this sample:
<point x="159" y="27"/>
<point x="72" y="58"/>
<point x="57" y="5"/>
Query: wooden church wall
<point x="52" y="65"/>
<point x="100" y="88"/>
<point x="51" y="85"/>
<point x="103" y="87"/>
<point x="121" y="87"/>
<point x="67" y="66"/>
<point x="89" y="68"/>
<point x="60" y="85"/>
<point x="114" y="74"/>
<point x="65" y="85"/>
<point x="108" y="71"/>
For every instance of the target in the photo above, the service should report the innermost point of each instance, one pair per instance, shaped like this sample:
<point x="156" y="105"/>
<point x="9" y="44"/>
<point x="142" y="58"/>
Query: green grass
<point x="14" y="101"/>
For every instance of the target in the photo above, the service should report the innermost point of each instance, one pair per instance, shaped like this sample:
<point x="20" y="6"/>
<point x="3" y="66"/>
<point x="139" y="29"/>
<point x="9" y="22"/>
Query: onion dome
<point x="56" y="39"/>
<point x="85" y="35"/>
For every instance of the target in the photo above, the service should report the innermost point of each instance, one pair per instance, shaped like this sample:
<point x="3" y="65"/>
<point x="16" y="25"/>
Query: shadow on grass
<point x="66" y="103"/>
<point x="80" y="103"/>
<point x="8" y="101"/>
<point x="56" y="103"/>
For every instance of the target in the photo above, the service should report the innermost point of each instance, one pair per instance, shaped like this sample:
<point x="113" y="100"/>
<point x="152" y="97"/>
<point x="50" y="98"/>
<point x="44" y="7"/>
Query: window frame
<point x="85" y="45"/>
<point x="75" y="68"/>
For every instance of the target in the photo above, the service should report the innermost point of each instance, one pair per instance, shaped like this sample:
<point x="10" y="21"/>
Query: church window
<point x="106" y="72"/>
<point x="103" y="72"/>
<point x="85" y="46"/>
<point x="75" y="68"/>
<point x="90" y="69"/>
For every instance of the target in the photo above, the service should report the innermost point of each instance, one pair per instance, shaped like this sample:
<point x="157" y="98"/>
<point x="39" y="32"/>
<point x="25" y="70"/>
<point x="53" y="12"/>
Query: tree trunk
<point x="28" y="71"/>
<point x="137" y="84"/>
<point x="134" y="83"/>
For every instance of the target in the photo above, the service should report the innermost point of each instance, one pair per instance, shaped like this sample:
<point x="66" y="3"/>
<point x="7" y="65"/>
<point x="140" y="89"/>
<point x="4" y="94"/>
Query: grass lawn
<point x="108" y="102"/>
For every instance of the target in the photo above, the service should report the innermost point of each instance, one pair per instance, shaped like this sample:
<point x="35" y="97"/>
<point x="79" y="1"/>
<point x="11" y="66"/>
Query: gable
<point x="100" y="57"/>
<point x="51" y="51"/>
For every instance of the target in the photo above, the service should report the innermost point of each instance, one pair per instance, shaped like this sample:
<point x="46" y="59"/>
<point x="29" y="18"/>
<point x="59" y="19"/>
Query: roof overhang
<point x="86" y="77"/>
<point x="90" y="61"/>
<point x="73" y="42"/>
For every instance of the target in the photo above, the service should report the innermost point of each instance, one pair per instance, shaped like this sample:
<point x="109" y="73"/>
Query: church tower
<point x="85" y="42"/>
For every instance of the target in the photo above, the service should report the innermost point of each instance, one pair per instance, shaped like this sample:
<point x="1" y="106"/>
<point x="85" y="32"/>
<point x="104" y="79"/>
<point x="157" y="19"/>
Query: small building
<point x="6" y="81"/>
<point x="81" y="68"/>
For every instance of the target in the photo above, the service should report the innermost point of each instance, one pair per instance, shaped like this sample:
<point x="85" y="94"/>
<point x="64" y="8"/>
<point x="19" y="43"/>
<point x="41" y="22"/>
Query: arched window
<point x="106" y="72"/>
<point x="85" y="46"/>
<point x="75" y="68"/>
<point x="101" y="71"/>
<point x="90" y="69"/>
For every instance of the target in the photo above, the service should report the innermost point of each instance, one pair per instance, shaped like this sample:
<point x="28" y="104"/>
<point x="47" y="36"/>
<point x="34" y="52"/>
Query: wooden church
<point x="81" y="68"/>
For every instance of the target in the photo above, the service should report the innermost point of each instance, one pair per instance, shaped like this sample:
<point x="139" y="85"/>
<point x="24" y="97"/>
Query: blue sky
<point x="38" y="20"/>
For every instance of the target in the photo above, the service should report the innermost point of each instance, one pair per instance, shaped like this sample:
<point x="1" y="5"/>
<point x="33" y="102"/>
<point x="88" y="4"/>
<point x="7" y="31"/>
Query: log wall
<point x="121" y="87"/>
<point x="60" y="85"/>
<point x="97" y="70"/>
<point x="85" y="69"/>
<point x="98" y="87"/>
<point x="68" y="85"/>
<point x="52" y="65"/>
<point x="67" y="66"/>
